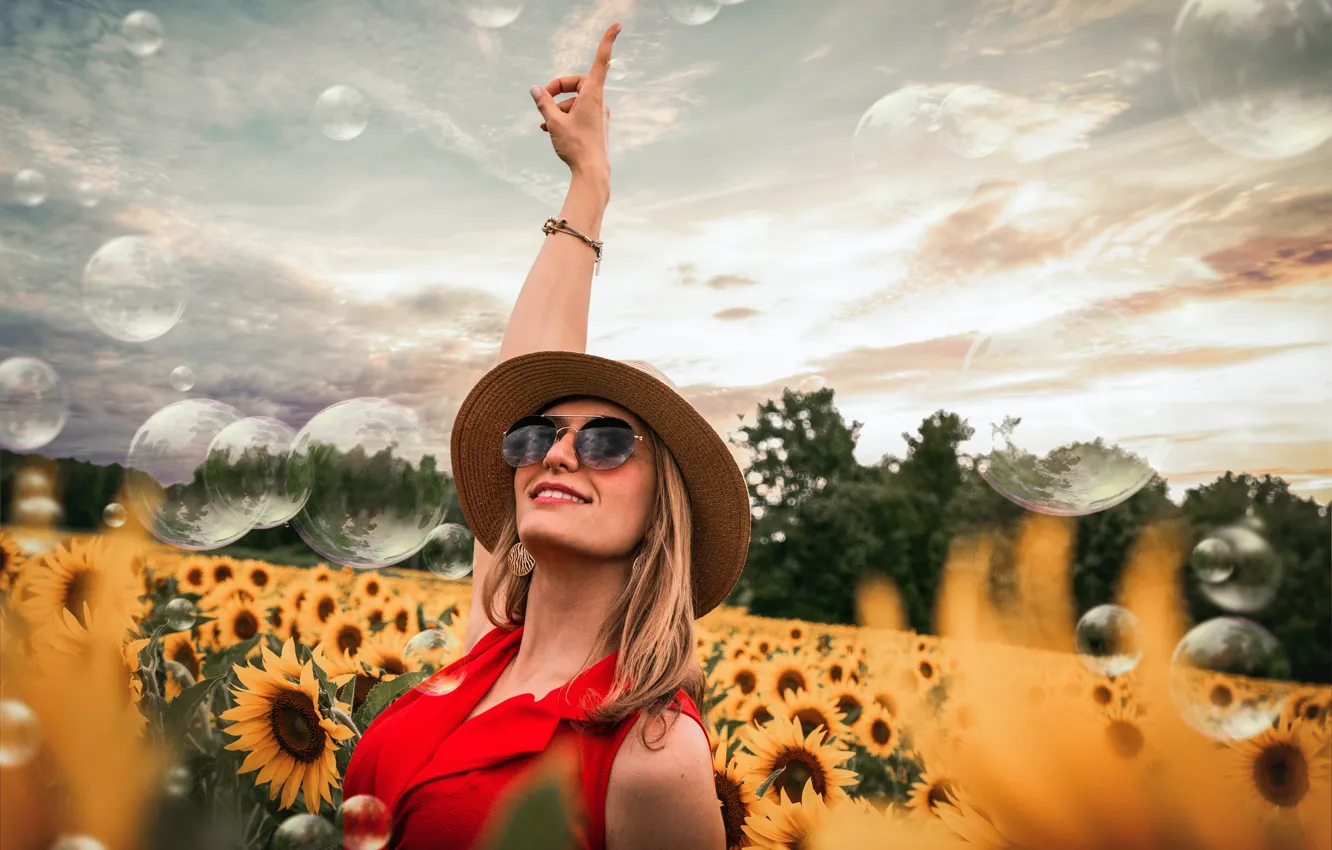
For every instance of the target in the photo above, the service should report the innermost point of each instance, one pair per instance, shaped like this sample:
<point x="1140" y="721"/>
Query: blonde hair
<point x="651" y="623"/>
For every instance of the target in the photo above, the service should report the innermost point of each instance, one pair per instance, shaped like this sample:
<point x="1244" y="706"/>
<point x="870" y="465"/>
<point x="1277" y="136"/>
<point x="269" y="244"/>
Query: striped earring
<point x="521" y="561"/>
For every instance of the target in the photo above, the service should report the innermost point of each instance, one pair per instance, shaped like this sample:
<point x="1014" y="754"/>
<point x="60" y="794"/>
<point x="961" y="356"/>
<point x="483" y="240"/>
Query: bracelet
<point x="554" y="224"/>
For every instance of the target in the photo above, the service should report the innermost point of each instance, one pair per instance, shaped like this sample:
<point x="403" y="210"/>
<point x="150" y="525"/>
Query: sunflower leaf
<point x="383" y="694"/>
<point x="378" y="627"/>
<point x="219" y="664"/>
<point x="348" y="694"/>
<point x="181" y="712"/>
<point x="420" y="615"/>
<point x="447" y="617"/>
<point x="767" y="783"/>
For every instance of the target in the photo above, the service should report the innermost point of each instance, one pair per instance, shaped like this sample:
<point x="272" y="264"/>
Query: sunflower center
<point x="733" y="808"/>
<point x="372" y="588"/>
<point x="1282" y="775"/>
<point x="747" y="681"/>
<point x="295" y="725"/>
<point x="810" y="719"/>
<point x="881" y="732"/>
<point x="195" y="576"/>
<point x="374" y="617"/>
<point x="363" y="685"/>
<point x="325" y="608"/>
<point x="349" y="638"/>
<point x="393" y="665"/>
<point x="759" y="715"/>
<point x="764" y="646"/>
<point x="298" y="599"/>
<point x="886" y="700"/>
<point x="259" y="578"/>
<point x="940" y="792"/>
<point x="1101" y="695"/>
<point x="846" y="703"/>
<point x="222" y="572"/>
<point x="400" y="621"/>
<point x="245" y="625"/>
<point x="1221" y="696"/>
<point x="275" y="618"/>
<point x="82" y="587"/>
<point x="801" y="767"/>
<point x="835" y="672"/>
<point x="1125" y="739"/>
<point x="183" y="654"/>
<point x="926" y="670"/>
<point x="790" y="680"/>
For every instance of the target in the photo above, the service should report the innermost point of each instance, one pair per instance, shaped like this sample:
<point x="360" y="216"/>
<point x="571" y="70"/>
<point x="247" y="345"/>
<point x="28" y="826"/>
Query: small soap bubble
<point x="1108" y="640"/>
<point x="343" y="112"/>
<point x="177" y="782"/>
<point x="34" y="404"/>
<point x="182" y="379"/>
<point x="132" y="289"/>
<point x="1229" y="678"/>
<point x="493" y="14"/>
<point x="179" y="614"/>
<point x="366" y="824"/>
<point x="448" y="551"/>
<point x="1144" y="61"/>
<point x="692" y="12"/>
<point x="87" y="195"/>
<point x="618" y="69"/>
<point x="432" y="650"/>
<point x="30" y="188"/>
<point x="1252" y="569"/>
<point x="143" y="33"/>
<point x="113" y="515"/>
<point x="305" y="832"/>
<point x="20" y="735"/>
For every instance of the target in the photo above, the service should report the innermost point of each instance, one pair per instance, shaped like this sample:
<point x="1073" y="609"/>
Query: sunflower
<point x="277" y="722"/>
<point x="230" y="590"/>
<point x="71" y="645"/>
<point x="318" y="608"/>
<point x="756" y="709"/>
<point x="850" y="699"/>
<point x="742" y="676"/>
<point x="763" y="644"/>
<point x="238" y="621"/>
<point x="876" y="730"/>
<point x="10" y="558"/>
<point x="320" y="573"/>
<point x="780" y="745"/>
<point x="885" y="698"/>
<point x="296" y="595"/>
<point x="179" y="647"/>
<point x="344" y="632"/>
<point x="401" y="617"/>
<point x="1282" y="766"/>
<point x="787" y="674"/>
<point x="383" y="651"/>
<point x="796" y="632"/>
<point x="84" y="575"/>
<point x="222" y="568"/>
<point x="194" y="575"/>
<point x="837" y="669"/>
<point x="257" y="574"/>
<point x="813" y="710"/>
<point x="281" y="621"/>
<point x="1123" y="729"/>
<point x="368" y="587"/>
<point x="930" y="791"/>
<point x="735" y="795"/>
<point x="783" y="825"/>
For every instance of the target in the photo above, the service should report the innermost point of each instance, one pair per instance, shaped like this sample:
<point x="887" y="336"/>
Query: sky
<point x="1110" y="218"/>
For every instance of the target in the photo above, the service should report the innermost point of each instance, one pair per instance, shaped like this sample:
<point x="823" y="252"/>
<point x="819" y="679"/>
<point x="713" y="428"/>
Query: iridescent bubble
<point x="343" y="112"/>
<point x="143" y="33"/>
<point x="1229" y="678"/>
<point x="973" y="121"/>
<point x="34" y="404"/>
<point x="179" y="614"/>
<point x="305" y="832"/>
<point x="493" y="14"/>
<point x="132" y="289"/>
<point x="433" y="650"/>
<point x="164" y="474"/>
<point x="20" y="735"/>
<point x="373" y="489"/>
<point x="1252" y="76"/>
<point x="366" y="824"/>
<point x="1108" y="640"/>
<point x="87" y="195"/>
<point x="182" y="379"/>
<point x="113" y="515"/>
<point x="246" y="471"/>
<point x="692" y="12"/>
<point x="901" y="164"/>
<point x="448" y="551"/>
<point x="618" y="69"/>
<point x="1213" y="560"/>
<point x="77" y="842"/>
<point x="30" y="187"/>
<point x="1254" y="570"/>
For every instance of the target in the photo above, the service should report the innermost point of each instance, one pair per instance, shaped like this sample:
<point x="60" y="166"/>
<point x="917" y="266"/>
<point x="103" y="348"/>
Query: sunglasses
<point x="602" y="443"/>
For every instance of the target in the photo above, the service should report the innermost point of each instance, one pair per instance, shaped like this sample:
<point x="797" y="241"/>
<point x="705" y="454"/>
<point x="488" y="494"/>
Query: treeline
<point x="824" y="522"/>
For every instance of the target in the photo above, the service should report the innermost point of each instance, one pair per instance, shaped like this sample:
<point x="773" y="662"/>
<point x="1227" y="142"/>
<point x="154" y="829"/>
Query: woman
<point x="616" y="516"/>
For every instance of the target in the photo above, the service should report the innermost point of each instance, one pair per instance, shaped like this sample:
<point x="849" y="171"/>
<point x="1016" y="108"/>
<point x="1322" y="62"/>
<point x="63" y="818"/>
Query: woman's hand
<point x="580" y="126"/>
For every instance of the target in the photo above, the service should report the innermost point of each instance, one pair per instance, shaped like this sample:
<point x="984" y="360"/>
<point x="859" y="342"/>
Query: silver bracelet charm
<point x="554" y="224"/>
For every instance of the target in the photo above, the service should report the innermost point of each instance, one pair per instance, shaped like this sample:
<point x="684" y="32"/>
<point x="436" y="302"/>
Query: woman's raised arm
<point x="552" y="307"/>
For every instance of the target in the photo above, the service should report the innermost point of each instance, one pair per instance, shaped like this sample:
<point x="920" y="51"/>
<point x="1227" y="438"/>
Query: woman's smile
<point x="556" y="494"/>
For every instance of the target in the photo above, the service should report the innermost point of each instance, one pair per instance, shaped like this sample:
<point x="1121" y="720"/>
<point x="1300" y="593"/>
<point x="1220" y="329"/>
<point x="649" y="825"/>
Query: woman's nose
<point x="562" y="454"/>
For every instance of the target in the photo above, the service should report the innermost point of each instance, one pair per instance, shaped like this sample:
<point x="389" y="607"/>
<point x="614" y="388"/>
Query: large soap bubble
<point x="343" y="112"/>
<point x="34" y="404"/>
<point x="1229" y="678"/>
<point x="1108" y="640"/>
<point x="1238" y="570"/>
<point x="132" y="289"/>
<point x="692" y="12"/>
<point x="164" y="475"/>
<point x="493" y="14"/>
<point x="143" y="33"/>
<point x="373" y="488"/>
<point x="972" y="120"/>
<point x="903" y="166"/>
<point x="1253" y="76"/>
<point x="245" y="470"/>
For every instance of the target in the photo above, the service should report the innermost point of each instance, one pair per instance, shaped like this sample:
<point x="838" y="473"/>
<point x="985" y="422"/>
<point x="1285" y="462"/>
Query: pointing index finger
<point x="601" y="64"/>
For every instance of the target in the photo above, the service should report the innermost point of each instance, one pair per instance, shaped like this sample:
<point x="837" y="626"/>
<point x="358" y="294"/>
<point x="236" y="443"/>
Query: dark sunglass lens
<point x="604" y="443"/>
<point x="527" y="442"/>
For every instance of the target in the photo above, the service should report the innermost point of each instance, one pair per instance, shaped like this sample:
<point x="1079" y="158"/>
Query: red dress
<point x="440" y="775"/>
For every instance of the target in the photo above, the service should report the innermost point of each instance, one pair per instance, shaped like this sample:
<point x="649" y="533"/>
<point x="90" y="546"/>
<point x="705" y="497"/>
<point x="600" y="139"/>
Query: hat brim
<point x="521" y="386"/>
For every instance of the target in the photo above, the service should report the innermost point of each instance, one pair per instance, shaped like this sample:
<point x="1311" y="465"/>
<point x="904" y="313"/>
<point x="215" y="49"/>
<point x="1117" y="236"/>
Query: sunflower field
<point x="155" y="698"/>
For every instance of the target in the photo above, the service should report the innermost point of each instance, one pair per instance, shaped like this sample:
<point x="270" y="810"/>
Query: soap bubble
<point x="30" y="188"/>
<point x="182" y="379"/>
<point x="113" y="515"/>
<point x="1252" y="76"/>
<point x="164" y="474"/>
<point x="143" y="33"/>
<point x="132" y="289"/>
<point x="1245" y="572"/>
<point x="692" y="12"/>
<point x="433" y="650"/>
<point x="902" y="165"/>
<point x="972" y="121"/>
<point x="618" y="69"/>
<point x="87" y="195"/>
<point x="246" y="471"/>
<point x="34" y="404"/>
<point x="366" y="824"/>
<point x="1145" y="60"/>
<point x="448" y="551"/>
<point x="493" y="14"/>
<point x="1229" y="678"/>
<point x="344" y="113"/>
<point x="177" y="782"/>
<point x="1108" y="640"/>
<point x="305" y="832"/>
<point x="179" y="614"/>
<point x="20" y="736"/>
<point x="373" y="490"/>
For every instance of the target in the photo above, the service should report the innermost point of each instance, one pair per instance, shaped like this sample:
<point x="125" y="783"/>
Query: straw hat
<point x="522" y="386"/>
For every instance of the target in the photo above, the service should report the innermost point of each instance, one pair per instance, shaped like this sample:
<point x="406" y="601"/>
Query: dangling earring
<point x="638" y="563"/>
<point x="521" y="561"/>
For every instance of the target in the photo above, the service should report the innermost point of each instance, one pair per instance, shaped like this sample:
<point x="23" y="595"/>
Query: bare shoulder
<point x="663" y="795"/>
